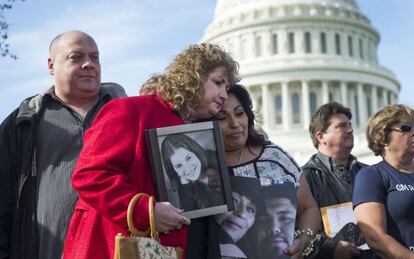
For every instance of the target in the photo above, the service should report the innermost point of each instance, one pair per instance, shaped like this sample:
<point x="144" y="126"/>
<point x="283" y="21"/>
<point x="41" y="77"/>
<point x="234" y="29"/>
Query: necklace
<point x="241" y="156"/>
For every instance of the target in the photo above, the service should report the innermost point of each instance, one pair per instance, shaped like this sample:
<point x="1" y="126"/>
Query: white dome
<point x="295" y="55"/>
<point x="229" y="6"/>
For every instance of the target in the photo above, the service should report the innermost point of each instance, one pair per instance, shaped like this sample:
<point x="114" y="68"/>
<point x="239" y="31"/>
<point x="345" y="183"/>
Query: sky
<point x="137" y="38"/>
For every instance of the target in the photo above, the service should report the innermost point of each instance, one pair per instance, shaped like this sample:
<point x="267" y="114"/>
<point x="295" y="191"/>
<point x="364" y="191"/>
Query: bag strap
<point x="154" y="232"/>
<point x="130" y="218"/>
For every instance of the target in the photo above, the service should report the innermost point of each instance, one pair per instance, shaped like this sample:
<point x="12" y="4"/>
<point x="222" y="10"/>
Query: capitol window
<point x="361" y="49"/>
<point x="338" y="44"/>
<point x="369" y="52"/>
<point x="308" y="43"/>
<point x="323" y="43"/>
<point x="369" y="107"/>
<point x="357" y="109"/>
<point x="274" y="44"/>
<point x="312" y="102"/>
<point x="295" y="108"/>
<point x="350" y="46"/>
<point x="291" y="42"/>
<point x="278" y="109"/>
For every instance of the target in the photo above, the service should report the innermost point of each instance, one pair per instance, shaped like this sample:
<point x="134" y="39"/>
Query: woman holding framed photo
<point x="114" y="164"/>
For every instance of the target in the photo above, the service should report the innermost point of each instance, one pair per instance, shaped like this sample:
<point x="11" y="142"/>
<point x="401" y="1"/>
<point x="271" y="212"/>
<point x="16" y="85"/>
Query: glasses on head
<point x="404" y="128"/>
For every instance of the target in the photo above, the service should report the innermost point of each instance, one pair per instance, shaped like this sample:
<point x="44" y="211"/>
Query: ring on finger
<point x="182" y="220"/>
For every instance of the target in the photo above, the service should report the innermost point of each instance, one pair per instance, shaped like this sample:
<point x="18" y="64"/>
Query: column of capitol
<point x="296" y="55"/>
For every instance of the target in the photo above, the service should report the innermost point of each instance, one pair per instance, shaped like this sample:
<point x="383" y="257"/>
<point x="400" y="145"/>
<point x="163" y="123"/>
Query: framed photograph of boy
<point x="189" y="168"/>
<point x="263" y="221"/>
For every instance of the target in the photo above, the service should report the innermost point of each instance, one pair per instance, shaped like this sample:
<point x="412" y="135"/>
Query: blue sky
<point x="139" y="37"/>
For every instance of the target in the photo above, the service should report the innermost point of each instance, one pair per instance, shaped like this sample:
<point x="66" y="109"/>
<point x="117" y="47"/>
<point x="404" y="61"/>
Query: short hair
<point x="181" y="83"/>
<point x="320" y="120"/>
<point x="380" y="125"/>
<point x="175" y="141"/>
<point x="248" y="187"/>
<point x="280" y="191"/>
<point x="254" y="138"/>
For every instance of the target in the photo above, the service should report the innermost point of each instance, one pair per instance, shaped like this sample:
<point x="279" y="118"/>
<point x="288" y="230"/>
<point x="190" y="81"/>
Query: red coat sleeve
<point x="101" y="176"/>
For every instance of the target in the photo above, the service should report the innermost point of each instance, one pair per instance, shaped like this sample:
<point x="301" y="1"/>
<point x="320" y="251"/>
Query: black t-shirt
<point x="384" y="184"/>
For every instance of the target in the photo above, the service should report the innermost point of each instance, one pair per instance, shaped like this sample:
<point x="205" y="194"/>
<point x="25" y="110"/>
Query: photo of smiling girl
<point x="192" y="172"/>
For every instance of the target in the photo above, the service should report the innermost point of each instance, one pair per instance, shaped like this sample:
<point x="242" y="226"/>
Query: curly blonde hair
<point x="181" y="83"/>
<point x="380" y="125"/>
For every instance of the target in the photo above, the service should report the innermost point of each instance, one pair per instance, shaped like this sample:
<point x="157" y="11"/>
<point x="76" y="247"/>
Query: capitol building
<point x="296" y="55"/>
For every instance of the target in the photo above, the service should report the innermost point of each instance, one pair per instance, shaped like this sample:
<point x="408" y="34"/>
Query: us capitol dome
<point x="296" y="55"/>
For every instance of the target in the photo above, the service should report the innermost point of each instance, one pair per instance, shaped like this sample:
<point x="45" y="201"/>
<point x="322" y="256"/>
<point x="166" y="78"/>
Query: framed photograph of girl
<point x="189" y="169"/>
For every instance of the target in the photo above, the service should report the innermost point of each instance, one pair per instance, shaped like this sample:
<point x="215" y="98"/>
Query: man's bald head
<point x="74" y="64"/>
<point x="65" y="36"/>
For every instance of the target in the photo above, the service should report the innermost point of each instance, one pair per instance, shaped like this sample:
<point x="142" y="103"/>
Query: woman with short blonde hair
<point x="383" y="195"/>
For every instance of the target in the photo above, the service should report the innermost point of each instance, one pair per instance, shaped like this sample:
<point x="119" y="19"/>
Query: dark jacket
<point x="203" y="239"/>
<point x="18" y="227"/>
<point x="330" y="188"/>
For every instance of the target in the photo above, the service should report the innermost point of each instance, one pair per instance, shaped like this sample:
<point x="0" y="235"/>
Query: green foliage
<point x="4" y="30"/>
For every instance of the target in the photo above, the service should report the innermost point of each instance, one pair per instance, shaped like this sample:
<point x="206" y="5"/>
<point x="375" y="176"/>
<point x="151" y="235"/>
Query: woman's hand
<point x="296" y="248"/>
<point x="346" y="250"/>
<point x="168" y="218"/>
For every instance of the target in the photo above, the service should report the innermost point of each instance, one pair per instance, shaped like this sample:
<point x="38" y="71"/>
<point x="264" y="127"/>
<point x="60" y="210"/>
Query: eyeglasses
<point x="404" y="128"/>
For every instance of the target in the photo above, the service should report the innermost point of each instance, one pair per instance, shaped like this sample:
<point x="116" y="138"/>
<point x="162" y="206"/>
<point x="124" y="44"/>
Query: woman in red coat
<point x="114" y="163"/>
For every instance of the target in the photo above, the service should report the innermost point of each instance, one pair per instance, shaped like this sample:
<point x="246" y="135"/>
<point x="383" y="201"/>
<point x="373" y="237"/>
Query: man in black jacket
<point x="330" y="173"/>
<point x="39" y="145"/>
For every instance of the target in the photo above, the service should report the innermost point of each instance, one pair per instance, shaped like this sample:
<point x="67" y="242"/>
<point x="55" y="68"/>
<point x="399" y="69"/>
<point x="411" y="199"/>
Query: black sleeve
<point x="8" y="167"/>
<point x="202" y="241"/>
<point x="324" y="247"/>
<point x="328" y="247"/>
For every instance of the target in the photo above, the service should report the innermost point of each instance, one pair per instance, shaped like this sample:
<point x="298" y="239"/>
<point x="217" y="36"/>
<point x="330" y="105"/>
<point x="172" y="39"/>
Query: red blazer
<point x="113" y="166"/>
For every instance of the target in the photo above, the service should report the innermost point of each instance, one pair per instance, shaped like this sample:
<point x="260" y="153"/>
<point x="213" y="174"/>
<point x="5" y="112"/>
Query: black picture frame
<point x="209" y="193"/>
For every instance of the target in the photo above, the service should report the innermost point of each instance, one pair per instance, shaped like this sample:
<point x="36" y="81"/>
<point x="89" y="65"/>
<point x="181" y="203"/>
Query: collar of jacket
<point x="330" y="163"/>
<point x="32" y="105"/>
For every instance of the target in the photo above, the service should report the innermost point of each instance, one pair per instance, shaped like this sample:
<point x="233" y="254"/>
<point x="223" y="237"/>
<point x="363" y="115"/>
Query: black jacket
<point x="329" y="188"/>
<point x="18" y="227"/>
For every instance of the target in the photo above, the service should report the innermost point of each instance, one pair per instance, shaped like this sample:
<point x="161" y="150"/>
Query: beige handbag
<point x="138" y="245"/>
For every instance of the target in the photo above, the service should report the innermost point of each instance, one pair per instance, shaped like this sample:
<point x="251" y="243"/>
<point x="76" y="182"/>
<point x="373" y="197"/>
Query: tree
<point x="4" y="29"/>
